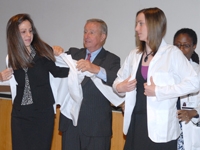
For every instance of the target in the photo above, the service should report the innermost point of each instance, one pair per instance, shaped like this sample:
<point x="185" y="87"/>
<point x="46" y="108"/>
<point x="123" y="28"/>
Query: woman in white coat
<point x="152" y="78"/>
<point x="186" y="40"/>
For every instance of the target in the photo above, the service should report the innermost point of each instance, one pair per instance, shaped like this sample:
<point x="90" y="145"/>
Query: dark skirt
<point x="137" y="137"/>
<point x="32" y="129"/>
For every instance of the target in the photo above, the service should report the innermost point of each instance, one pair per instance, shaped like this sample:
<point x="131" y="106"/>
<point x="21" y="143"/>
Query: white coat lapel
<point x="131" y="96"/>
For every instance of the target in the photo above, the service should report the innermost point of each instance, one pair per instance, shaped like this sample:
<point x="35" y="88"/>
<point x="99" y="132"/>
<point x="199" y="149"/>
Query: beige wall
<point x="60" y="22"/>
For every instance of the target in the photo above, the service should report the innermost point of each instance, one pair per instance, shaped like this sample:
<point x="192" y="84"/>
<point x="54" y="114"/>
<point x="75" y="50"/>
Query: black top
<point x="39" y="82"/>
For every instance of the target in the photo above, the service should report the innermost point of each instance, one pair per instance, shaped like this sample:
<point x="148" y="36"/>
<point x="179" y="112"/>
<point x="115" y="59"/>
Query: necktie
<point x="88" y="56"/>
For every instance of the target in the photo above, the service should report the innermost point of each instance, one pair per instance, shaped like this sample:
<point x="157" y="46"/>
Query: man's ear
<point x="103" y="37"/>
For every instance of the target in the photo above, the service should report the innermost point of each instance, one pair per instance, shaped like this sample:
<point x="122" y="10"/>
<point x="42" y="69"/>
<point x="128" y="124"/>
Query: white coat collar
<point x="161" y="49"/>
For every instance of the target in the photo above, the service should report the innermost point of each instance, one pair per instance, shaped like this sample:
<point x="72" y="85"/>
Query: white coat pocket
<point x="195" y="137"/>
<point x="163" y="78"/>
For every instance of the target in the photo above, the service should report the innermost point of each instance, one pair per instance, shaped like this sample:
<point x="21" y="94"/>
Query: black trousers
<point x="74" y="139"/>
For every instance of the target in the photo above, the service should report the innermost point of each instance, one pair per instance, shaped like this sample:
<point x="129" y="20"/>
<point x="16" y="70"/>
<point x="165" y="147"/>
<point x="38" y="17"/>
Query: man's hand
<point x="85" y="65"/>
<point x="149" y="90"/>
<point x="57" y="50"/>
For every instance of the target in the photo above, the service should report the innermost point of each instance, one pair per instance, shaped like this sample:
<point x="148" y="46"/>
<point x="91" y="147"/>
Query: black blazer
<point x="95" y="118"/>
<point x="39" y="82"/>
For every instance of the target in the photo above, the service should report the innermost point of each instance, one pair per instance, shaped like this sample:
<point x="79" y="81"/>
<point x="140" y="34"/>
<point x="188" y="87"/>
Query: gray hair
<point x="103" y="25"/>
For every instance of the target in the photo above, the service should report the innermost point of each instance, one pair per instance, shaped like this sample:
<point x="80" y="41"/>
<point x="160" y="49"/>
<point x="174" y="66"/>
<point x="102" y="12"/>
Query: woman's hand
<point x="6" y="74"/>
<point x="126" y="85"/>
<point x="149" y="90"/>
<point x="123" y="106"/>
<point x="57" y="50"/>
<point x="186" y="115"/>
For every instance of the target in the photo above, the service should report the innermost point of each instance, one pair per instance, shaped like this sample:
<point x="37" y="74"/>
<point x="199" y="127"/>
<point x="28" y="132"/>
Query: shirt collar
<point x="93" y="54"/>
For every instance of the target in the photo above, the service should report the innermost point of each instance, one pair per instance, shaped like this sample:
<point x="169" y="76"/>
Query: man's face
<point x="93" y="36"/>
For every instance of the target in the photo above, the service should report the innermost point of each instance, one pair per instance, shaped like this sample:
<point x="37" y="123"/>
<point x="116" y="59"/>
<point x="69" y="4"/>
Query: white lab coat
<point x="12" y="83"/>
<point x="191" y="133"/>
<point x="173" y="76"/>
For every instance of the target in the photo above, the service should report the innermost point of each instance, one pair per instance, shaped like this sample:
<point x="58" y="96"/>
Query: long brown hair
<point x="156" y="24"/>
<point x="17" y="52"/>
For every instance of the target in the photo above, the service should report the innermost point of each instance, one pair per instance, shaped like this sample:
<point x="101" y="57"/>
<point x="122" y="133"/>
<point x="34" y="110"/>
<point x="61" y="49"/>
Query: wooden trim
<point x="117" y="141"/>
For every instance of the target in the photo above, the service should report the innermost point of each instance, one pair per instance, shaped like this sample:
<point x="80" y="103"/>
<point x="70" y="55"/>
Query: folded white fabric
<point x="70" y="94"/>
<point x="68" y="91"/>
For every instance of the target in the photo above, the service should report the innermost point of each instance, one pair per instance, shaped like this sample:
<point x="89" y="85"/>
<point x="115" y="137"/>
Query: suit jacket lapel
<point x="100" y="57"/>
<point x="81" y="54"/>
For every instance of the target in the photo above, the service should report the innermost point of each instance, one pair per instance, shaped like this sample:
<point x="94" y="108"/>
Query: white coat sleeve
<point x="186" y="80"/>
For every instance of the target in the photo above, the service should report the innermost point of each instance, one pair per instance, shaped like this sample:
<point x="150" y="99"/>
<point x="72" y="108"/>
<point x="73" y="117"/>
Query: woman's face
<point x="25" y="30"/>
<point x="141" y="27"/>
<point x="184" y="42"/>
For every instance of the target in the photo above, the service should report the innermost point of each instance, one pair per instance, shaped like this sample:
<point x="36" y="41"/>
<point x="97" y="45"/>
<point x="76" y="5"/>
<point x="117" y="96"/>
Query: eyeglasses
<point x="185" y="46"/>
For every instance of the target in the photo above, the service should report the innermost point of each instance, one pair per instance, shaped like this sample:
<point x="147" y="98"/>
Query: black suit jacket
<point x="39" y="82"/>
<point x="95" y="118"/>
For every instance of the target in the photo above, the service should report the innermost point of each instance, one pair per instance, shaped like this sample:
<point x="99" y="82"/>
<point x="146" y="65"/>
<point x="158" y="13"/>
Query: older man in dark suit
<point x="94" y="128"/>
